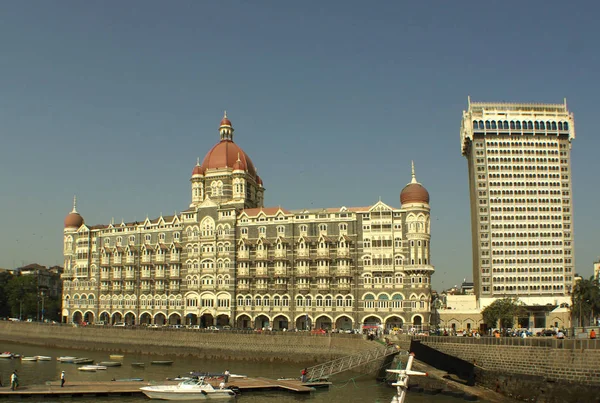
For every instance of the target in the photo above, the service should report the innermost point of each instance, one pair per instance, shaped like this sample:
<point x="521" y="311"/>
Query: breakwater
<point x="267" y="346"/>
<point x="535" y="369"/>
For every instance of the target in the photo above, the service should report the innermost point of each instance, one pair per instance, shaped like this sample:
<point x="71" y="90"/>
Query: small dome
<point x="198" y="170"/>
<point x="225" y="122"/>
<point x="239" y="165"/>
<point x="73" y="220"/>
<point x="414" y="193"/>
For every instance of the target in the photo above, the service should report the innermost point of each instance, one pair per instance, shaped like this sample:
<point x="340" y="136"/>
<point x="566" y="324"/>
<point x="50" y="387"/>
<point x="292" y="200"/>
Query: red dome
<point x="73" y="220"/>
<point x="414" y="193"/>
<point x="225" y="154"/>
<point x="225" y="122"/>
<point x="198" y="170"/>
<point x="239" y="166"/>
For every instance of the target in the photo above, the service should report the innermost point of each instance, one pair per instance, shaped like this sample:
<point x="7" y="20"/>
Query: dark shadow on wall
<point x="461" y="368"/>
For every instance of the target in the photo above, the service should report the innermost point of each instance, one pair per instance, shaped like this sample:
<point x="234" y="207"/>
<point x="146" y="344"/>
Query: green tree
<point x="5" y="277"/>
<point x="504" y="311"/>
<point x="585" y="301"/>
<point x="22" y="296"/>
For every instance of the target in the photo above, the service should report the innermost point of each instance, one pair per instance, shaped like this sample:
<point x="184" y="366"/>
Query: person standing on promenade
<point x="593" y="334"/>
<point x="227" y="373"/>
<point x="62" y="379"/>
<point x="14" y="380"/>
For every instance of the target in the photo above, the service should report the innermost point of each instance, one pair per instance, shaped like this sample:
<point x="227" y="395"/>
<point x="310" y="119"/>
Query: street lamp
<point x="43" y="296"/>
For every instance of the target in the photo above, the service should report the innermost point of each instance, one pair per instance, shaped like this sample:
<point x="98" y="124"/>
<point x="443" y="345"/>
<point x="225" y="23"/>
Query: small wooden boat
<point x="43" y="358"/>
<point x="116" y="356"/>
<point x="29" y="359"/>
<point x="161" y="362"/>
<point x="68" y="359"/>
<point x="129" y="380"/>
<point x="110" y="363"/>
<point x="83" y="361"/>
<point x="92" y="368"/>
<point x="138" y="364"/>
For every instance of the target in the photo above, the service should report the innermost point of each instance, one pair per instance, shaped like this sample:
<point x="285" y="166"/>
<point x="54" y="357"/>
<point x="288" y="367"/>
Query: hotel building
<point x="519" y="162"/>
<point x="228" y="260"/>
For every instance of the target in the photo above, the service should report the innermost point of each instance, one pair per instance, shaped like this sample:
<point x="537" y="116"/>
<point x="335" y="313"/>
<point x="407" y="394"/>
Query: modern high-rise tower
<point x="519" y="159"/>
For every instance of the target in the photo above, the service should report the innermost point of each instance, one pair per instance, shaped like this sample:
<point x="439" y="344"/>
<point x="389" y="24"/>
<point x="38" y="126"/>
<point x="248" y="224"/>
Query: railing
<point x="346" y="363"/>
<point x="538" y="341"/>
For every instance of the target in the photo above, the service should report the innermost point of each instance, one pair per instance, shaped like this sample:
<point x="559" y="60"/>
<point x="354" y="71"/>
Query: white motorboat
<point x="6" y="354"/>
<point x="92" y="368"/>
<point x="192" y="389"/>
<point x="66" y="359"/>
<point x="29" y="358"/>
<point x="43" y="358"/>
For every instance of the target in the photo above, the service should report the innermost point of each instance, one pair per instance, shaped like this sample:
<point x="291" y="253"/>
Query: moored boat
<point x="83" y="361"/>
<point x="138" y="364"/>
<point x="193" y="389"/>
<point x="116" y="356"/>
<point x="110" y="363"/>
<point x="7" y="354"/>
<point x="68" y="359"/>
<point x="43" y="358"/>
<point x="92" y="368"/>
<point x="29" y="359"/>
<point x="161" y="362"/>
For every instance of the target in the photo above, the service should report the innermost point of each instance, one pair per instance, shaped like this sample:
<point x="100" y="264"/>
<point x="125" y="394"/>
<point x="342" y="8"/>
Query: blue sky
<point x="114" y="101"/>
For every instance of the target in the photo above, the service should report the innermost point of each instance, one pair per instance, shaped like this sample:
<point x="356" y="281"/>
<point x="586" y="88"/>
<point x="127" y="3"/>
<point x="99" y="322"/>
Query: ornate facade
<point x="227" y="260"/>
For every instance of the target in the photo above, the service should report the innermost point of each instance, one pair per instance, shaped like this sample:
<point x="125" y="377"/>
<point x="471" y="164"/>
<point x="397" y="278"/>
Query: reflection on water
<point x="347" y="387"/>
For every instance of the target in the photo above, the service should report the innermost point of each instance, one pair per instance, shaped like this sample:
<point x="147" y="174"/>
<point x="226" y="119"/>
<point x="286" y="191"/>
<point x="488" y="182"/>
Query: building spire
<point x="414" y="178"/>
<point x="74" y="204"/>
<point x="225" y="114"/>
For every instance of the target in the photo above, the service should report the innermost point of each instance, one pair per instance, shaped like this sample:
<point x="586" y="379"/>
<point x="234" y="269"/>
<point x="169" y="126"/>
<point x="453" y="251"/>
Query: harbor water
<point x="347" y="387"/>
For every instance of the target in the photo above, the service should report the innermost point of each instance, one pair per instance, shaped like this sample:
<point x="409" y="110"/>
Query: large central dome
<point x="226" y="154"/>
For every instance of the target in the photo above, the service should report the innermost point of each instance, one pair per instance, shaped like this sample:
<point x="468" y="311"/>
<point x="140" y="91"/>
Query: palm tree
<point x="585" y="301"/>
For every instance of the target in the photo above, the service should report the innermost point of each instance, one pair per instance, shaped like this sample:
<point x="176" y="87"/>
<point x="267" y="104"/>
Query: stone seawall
<point x="289" y="347"/>
<point x="561" y="362"/>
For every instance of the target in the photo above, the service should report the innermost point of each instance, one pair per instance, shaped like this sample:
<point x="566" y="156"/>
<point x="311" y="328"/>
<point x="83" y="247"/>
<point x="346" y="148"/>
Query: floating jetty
<point x="125" y="388"/>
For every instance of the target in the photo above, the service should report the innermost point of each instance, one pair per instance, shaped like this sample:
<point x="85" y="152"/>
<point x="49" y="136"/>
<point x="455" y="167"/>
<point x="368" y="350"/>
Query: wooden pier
<point x="118" y="388"/>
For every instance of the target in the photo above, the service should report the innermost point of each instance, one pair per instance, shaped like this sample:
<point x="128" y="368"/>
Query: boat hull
<point x="176" y="393"/>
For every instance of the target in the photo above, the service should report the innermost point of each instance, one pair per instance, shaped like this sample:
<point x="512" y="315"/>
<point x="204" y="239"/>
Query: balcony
<point x="280" y="273"/>
<point x="130" y="259"/>
<point x="116" y="276"/>
<point x="243" y="287"/>
<point x="343" y="273"/>
<point x="262" y="273"/>
<point x="262" y="287"/>
<point x="118" y="260"/>
<point x="303" y="253"/>
<point x="146" y="258"/>
<point x="280" y="287"/>
<point x="129" y="275"/>
<point x="323" y="253"/>
<point x="323" y="286"/>
<point x="344" y="286"/>
<point x="262" y="255"/>
<point x="303" y="272"/>
<point x="145" y="275"/>
<point x="243" y="255"/>
<point x="104" y="276"/>
<point x="174" y="273"/>
<point x="323" y="273"/>
<point x="174" y="257"/>
<point x="343" y="252"/>
<point x="159" y="274"/>
<point x="302" y="287"/>
<point x="105" y="261"/>
<point x="160" y="258"/>
<point x="281" y="255"/>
